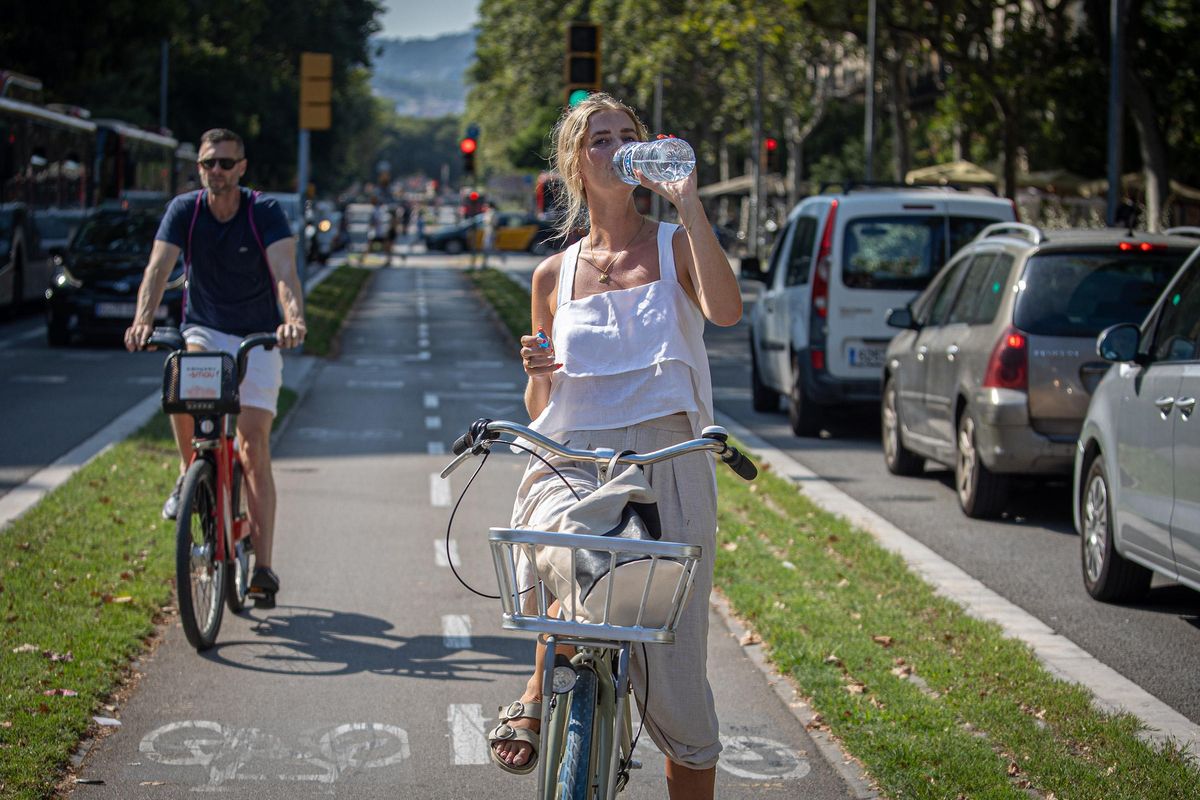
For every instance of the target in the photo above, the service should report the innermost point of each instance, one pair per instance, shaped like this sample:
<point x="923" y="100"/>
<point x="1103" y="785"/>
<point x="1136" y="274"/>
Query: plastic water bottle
<point x="660" y="160"/>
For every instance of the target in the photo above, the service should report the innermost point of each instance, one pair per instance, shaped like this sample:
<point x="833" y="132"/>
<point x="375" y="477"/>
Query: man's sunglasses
<point x="226" y="163"/>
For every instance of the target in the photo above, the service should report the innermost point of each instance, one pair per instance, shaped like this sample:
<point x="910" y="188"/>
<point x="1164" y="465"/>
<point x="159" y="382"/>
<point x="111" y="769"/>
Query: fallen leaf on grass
<point x="787" y="565"/>
<point x="843" y="583"/>
<point x="53" y="656"/>
<point x="729" y="547"/>
<point x="832" y="658"/>
<point x="902" y="672"/>
<point x="856" y="687"/>
<point x="749" y="638"/>
<point x="886" y="641"/>
<point x="27" y="648"/>
<point x="60" y="693"/>
<point x="5" y="724"/>
<point x="1013" y="768"/>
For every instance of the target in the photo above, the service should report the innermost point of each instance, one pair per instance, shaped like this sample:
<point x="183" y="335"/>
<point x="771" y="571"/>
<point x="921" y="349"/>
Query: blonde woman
<point x="625" y="309"/>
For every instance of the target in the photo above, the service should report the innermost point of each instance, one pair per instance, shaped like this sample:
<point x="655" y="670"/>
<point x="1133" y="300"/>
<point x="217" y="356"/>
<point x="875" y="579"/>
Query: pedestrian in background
<point x="625" y="309"/>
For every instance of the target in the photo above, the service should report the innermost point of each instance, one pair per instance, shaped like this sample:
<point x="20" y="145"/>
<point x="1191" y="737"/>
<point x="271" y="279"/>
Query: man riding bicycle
<point x="240" y="259"/>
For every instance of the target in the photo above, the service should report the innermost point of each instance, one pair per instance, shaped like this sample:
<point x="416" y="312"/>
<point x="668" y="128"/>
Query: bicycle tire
<point x="237" y="583"/>
<point x="574" y="770"/>
<point x="199" y="576"/>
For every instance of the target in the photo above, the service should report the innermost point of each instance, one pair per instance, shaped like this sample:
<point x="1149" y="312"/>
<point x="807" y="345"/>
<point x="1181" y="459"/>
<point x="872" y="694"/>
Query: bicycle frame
<point x="219" y="448"/>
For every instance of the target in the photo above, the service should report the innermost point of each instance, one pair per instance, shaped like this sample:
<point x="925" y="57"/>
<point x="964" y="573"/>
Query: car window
<point x="127" y="234"/>
<point x="933" y="309"/>
<point x="1178" y="334"/>
<point x="968" y="297"/>
<point x="800" y="254"/>
<point x="776" y="253"/>
<point x="902" y="251"/>
<point x="1081" y="294"/>
<point x="992" y="291"/>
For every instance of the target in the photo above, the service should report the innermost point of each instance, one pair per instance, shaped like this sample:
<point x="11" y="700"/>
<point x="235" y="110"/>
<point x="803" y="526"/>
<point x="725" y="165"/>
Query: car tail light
<point x="1145" y="247"/>
<point x="1008" y="367"/>
<point x="820" y="291"/>
<point x="817" y="357"/>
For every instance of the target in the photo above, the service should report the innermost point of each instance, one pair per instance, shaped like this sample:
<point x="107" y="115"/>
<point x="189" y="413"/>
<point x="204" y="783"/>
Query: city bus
<point x="45" y="155"/>
<point x="131" y="162"/>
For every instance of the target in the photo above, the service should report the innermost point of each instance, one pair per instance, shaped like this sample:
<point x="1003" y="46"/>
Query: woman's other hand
<point x="538" y="361"/>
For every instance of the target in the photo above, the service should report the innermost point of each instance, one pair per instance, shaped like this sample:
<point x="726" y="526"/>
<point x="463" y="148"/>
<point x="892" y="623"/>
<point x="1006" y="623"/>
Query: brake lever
<point x="456" y="463"/>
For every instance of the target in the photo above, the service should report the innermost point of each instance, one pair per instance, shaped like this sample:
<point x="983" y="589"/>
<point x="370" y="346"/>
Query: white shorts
<point x="264" y="369"/>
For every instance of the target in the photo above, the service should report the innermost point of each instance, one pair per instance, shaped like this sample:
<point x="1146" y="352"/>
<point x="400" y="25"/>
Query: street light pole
<point x="162" y="86"/>
<point x="869" y="122"/>
<point x="1116" y="108"/>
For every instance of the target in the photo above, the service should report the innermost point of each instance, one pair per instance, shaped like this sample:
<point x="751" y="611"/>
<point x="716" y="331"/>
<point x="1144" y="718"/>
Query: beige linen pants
<point x="679" y="716"/>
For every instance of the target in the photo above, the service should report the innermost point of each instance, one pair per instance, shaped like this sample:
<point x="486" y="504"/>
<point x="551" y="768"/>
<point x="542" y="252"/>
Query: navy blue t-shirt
<point x="229" y="284"/>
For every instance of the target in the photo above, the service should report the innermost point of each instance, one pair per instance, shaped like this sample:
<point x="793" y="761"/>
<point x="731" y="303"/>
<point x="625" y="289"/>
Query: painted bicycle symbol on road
<point x="756" y="758"/>
<point x="230" y="754"/>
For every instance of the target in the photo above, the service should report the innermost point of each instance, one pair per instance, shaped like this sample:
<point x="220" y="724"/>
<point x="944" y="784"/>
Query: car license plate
<point x="124" y="311"/>
<point x="867" y="355"/>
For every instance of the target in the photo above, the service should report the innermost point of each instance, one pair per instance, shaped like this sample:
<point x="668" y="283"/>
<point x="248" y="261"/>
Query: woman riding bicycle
<point x="624" y="309"/>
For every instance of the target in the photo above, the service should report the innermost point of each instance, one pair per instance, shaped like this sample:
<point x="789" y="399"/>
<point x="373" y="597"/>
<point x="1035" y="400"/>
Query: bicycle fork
<point x="610" y="758"/>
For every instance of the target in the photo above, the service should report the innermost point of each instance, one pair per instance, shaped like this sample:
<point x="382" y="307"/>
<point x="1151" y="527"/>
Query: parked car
<point x="54" y="228"/>
<point x="93" y="293"/>
<point x="818" y="331"/>
<point x="993" y="368"/>
<point x="515" y="232"/>
<point x="324" y="234"/>
<point x="1137" y="462"/>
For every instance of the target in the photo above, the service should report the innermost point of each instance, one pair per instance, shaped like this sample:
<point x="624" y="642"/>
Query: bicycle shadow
<point x="298" y="640"/>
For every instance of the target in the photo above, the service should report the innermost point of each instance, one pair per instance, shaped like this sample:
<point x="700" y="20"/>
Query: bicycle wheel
<point x="574" y="771"/>
<point x="199" y="576"/>
<point x="237" y="584"/>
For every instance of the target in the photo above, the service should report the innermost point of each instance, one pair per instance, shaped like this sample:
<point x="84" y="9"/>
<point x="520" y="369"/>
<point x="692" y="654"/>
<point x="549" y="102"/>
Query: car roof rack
<point x="1031" y="232"/>
<point x="1184" y="230"/>
<point x="849" y="186"/>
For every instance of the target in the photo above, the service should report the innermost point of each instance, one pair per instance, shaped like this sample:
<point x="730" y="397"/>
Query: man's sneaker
<point x="170" y="508"/>
<point x="264" y="585"/>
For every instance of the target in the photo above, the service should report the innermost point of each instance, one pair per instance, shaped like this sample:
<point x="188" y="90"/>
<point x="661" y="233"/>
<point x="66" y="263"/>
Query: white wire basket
<point x="639" y="599"/>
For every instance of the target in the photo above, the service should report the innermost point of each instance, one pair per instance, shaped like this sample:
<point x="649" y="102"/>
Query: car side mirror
<point x="902" y="318"/>
<point x="751" y="268"/>
<point x="1119" y="343"/>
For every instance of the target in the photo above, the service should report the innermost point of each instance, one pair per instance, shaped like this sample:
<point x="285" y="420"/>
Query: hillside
<point x="423" y="77"/>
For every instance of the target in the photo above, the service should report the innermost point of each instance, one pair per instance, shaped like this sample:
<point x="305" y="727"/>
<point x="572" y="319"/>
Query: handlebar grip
<point x="740" y="464"/>
<point x="462" y="444"/>
<point x="169" y="338"/>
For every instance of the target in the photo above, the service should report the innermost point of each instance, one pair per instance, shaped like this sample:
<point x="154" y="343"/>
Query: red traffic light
<point x="467" y="145"/>
<point x="473" y="196"/>
<point x="772" y="144"/>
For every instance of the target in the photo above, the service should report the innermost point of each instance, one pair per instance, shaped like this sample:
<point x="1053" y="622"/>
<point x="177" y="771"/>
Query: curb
<point x="848" y="768"/>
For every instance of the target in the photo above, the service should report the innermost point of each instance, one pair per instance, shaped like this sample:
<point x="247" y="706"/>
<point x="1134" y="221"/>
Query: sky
<point x="412" y="19"/>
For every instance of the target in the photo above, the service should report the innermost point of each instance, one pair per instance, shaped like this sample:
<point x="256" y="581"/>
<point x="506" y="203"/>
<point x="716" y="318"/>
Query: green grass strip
<point x="935" y="703"/>
<point x="327" y="305"/>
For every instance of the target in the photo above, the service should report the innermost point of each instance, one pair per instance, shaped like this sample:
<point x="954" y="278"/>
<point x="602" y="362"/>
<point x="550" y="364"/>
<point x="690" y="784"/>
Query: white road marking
<point x="144" y="380"/>
<point x="439" y="553"/>
<point x="422" y="343"/>
<point x="502" y="386"/>
<point x="436" y="448"/>
<point x="439" y="491"/>
<point x="456" y="631"/>
<point x="358" y="384"/>
<point x="467" y="731"/>
<point x="1062" y="657"/>
<point x="49" y="379"/>
<point x="759" y="759"/>
<point x="362" y="435"/>
<point x="431" y="400"/>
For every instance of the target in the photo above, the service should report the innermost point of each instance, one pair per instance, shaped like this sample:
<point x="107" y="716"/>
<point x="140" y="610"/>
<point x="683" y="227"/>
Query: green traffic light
<point x="577" y="97"/>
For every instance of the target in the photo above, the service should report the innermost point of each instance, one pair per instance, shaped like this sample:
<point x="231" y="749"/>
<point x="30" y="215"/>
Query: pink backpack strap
<point x="254" y="229"/>
<point x="187" y="256"/>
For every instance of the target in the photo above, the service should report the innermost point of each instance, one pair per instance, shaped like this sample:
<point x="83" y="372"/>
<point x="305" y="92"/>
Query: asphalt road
<point x="377" y="674"/>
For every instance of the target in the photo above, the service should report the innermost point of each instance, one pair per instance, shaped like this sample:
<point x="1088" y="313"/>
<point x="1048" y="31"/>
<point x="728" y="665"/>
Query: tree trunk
<point x="901" y="113"/>
<point x="1151" y="146"/>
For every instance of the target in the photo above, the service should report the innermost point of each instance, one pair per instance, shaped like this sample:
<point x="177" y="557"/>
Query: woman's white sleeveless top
<point x="628" y="355"/>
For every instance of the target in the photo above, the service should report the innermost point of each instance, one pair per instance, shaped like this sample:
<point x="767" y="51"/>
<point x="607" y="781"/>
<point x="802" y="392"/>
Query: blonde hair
<point x="568" y="140"/>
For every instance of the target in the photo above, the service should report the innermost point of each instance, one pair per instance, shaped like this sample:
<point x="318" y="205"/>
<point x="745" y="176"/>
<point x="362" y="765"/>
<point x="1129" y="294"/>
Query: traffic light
<point x="468" y="146"/>
<point x="770" y="155"/>
<point x="581" y="69"/>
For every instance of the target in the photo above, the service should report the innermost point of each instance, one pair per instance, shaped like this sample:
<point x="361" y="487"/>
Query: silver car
<point x="1137" y="464"/>
<point x="992" y="371"/>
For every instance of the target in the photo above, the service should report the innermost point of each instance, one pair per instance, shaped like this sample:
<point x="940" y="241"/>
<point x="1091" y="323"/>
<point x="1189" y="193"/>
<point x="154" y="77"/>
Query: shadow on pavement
<point x="297" y="640"/>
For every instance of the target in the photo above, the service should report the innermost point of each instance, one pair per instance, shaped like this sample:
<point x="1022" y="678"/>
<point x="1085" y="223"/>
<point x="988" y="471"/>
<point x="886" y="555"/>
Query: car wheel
<point x="56" y="330"/>
<point x="898" y="458"/>
<point x="1106" y="575"/>
<point x="981" y="493"/>
<point x="454" y="247"/>
<point x="803" y="414"/>
<point x="763" y="397"/>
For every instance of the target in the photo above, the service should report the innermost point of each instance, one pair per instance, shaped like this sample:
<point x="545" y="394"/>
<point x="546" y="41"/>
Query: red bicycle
<point x="212" y="529"/>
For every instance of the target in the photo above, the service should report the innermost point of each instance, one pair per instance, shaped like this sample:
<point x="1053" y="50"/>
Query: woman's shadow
<point x="298" y="640"/>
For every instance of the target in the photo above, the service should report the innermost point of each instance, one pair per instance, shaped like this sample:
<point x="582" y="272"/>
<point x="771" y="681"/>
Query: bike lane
<point x="378" y="674"/>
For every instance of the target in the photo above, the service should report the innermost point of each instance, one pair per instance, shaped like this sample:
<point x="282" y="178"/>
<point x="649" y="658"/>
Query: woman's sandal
<point x="504" y="732"/>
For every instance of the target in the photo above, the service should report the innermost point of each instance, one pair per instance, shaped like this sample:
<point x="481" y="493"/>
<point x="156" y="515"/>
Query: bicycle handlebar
<point x="172" y="339"/>
<point x="485" y="431"/>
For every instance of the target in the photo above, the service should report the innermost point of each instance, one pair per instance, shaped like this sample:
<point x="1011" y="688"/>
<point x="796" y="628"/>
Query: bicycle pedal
<point x="264" y="601"/>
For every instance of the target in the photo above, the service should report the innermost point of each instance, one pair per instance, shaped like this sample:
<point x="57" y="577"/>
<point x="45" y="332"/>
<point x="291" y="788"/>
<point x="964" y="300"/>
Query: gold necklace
<point x="604" y="277"/>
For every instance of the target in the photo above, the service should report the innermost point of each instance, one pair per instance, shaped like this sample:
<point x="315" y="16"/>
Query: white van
<point x="819" y="330"/>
